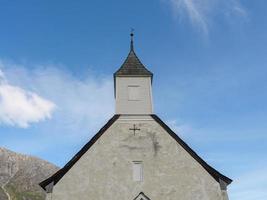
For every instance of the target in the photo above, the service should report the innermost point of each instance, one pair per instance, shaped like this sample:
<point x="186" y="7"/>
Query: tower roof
<point x="132" y="66"/>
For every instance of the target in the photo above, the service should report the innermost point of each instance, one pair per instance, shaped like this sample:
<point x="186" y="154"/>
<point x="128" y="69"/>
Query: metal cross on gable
<point x="134" y="129"/>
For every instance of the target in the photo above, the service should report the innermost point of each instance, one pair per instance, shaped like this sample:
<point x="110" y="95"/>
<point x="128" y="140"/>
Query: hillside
<point x="20" y="175"/>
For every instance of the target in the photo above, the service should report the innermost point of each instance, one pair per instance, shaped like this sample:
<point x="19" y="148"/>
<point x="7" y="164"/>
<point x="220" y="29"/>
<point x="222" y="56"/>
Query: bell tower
<point x="133" y="86"/>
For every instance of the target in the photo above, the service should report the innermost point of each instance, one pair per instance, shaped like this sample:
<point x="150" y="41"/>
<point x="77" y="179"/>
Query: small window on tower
<point x="133" y="93"/>
<point x="137" y="171"/>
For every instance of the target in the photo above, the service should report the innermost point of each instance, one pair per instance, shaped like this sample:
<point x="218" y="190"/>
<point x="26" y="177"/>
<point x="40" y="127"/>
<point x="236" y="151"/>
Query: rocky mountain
<point x="20" y="175"/>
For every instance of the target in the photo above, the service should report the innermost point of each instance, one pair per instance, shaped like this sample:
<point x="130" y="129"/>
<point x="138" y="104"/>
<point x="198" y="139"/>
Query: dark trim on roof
<point x="60" y="173"/>
<point x="213" y="172"/>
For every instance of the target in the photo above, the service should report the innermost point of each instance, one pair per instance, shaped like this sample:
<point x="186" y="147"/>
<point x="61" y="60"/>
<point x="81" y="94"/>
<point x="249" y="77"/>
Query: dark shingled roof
<point x="132" y="66"/>
<point x="59" y="174"/>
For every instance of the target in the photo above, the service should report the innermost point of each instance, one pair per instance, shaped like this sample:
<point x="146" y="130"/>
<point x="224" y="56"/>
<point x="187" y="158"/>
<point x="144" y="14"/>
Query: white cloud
<point x="19" y="107"/>
<point x="83" y="104"/>
<point x="201" y="12"/>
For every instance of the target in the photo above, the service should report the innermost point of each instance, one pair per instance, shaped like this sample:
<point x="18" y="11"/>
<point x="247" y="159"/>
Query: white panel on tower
<point x="133" y="92"/>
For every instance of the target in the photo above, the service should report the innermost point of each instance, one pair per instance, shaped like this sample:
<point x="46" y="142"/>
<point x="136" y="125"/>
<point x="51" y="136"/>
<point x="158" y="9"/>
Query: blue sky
<point x="209" y="63"/>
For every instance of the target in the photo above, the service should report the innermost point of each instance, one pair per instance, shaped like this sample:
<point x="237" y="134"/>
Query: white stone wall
<point x="126" y="106"/>
<point x="105" y="171"/>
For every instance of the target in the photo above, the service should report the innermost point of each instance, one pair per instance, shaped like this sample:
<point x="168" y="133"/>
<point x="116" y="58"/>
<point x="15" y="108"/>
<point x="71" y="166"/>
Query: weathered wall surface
<point x="105" y="171"/>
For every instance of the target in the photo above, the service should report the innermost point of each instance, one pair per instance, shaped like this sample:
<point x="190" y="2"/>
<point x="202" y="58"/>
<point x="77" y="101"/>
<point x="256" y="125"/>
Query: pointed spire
<point x="132" y="66"/>
<point x="132" y="35"/>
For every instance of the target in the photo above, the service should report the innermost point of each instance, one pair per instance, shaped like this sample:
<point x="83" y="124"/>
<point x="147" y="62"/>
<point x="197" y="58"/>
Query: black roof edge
<point x="60" y="173"/>
<point x="213" y="172"/>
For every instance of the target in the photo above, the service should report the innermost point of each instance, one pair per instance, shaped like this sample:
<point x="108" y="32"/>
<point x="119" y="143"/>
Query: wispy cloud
<point x="19" y="107"/>
<point x="82" y="103"/>
<point x="201" y="12"/>
<point x="181" y="129"/>
<point x="250" y="186"/>
<point x="206" y="135"/>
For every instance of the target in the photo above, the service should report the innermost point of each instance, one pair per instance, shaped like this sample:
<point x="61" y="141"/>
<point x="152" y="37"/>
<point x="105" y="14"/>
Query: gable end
<point x="60" y="173"/>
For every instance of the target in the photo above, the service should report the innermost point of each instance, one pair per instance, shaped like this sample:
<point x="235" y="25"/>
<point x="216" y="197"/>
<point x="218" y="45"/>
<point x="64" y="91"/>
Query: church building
<point x="135" y="155"/>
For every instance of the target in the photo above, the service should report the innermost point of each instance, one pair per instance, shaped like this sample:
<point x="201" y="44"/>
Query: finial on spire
<point x="132" y="35"/>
